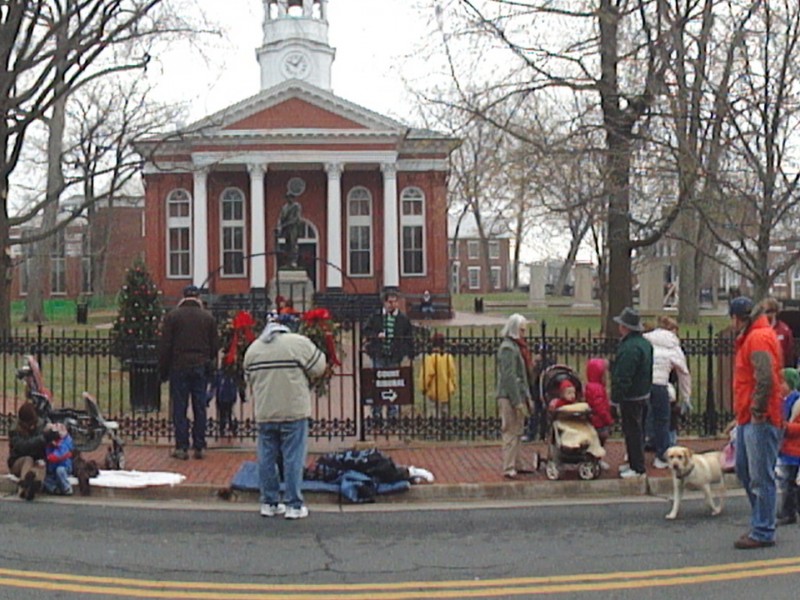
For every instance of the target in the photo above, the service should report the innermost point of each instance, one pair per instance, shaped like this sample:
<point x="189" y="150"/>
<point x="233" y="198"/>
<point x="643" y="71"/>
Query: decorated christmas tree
<point x="139" y="316"/>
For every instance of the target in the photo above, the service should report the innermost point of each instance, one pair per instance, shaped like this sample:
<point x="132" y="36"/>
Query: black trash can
<point x="82" y="313"/>
<point x="478" y="304"/>
<point x="145" y="384"/>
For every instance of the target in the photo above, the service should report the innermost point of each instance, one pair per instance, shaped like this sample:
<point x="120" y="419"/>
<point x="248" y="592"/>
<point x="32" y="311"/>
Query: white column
<point x="334" y="265"/>
<point x="200" y="227"/>
<point x="391" y="233"/>
<point x="258" y="237"/>
<point x="307" y="8"/>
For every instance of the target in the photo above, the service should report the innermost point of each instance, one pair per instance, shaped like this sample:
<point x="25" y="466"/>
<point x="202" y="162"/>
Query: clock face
<point x="297" y="65"/>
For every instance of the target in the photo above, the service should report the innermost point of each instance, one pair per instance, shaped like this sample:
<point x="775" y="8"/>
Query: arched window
<point x="359" y="232"/>
<point x="232" y="232"/>
<point x="412" y="231"/>
<point x="179" y="234"/>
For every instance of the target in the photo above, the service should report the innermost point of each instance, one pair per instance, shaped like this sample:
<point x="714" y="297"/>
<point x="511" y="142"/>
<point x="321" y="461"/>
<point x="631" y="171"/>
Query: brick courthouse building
<point x="373" y="191"/>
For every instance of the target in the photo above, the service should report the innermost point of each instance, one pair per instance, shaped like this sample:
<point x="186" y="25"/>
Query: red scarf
<point x="526" y="353"/>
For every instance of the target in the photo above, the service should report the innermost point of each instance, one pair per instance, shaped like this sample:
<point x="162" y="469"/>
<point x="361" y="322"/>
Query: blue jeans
<point x="790" y="493"/>
<point x="756" y="454"/>
<point x="659" y="414"/>
<point x="291" y="439"/>
<point x="57" y="481"/>
<point x="183" y="384"/>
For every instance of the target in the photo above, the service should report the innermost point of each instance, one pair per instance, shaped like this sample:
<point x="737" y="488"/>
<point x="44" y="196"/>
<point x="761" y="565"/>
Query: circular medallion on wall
<point x="296" y="186"/>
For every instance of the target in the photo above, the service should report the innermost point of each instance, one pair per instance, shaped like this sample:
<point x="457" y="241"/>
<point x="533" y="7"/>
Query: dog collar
<point x="687" y="473"/>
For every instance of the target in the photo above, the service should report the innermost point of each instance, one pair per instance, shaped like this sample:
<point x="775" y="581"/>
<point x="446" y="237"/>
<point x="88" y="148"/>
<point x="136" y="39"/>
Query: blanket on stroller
<point x="575" y="434"/>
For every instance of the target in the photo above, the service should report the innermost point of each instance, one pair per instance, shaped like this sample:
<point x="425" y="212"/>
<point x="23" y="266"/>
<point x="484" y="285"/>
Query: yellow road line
<point x="404" y="590"/>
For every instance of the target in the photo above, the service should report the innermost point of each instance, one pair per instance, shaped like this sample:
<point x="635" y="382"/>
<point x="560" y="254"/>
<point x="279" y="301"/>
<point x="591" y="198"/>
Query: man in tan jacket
<point x="279" y="367"/>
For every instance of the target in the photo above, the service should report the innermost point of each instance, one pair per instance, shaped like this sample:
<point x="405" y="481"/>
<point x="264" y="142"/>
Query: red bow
<point x="242" y="325"/>
<point x="321" y="317"/>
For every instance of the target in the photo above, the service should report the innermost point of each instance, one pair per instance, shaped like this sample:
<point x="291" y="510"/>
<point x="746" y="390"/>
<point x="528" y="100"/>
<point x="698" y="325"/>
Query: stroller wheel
<point x="551" y="470"/>
<point x="588" y="470"/>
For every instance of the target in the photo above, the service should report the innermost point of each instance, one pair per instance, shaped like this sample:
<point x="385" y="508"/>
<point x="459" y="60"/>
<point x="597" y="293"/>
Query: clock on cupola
<point x="295" y="44"/>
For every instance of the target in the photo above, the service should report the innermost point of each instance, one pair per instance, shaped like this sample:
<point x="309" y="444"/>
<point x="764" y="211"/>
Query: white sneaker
<point x="624" y="467"/>
<point x="660" y="464"/>
<point x="604" y="465"/>
<point x="270" y="510"/>
<point x="296" y="513"/>
<point x="631" y="474"/>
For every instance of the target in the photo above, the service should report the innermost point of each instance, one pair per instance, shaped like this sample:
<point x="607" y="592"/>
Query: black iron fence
<point x="72" y="363"/>
<point x="472" y="413"/>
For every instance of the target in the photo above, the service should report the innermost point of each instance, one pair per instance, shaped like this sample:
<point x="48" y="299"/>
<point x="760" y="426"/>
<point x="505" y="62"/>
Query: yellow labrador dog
<point x="698" y="471"/>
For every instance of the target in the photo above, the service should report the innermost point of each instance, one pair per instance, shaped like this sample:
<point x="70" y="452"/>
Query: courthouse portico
<point x="373" y="191"/>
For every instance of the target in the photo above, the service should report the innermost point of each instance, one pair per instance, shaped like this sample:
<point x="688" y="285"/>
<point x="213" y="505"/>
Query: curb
<point x="418" y="494"/>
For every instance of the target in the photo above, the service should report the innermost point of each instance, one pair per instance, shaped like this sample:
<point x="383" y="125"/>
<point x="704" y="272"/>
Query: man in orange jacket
<point x="757" y="402"/>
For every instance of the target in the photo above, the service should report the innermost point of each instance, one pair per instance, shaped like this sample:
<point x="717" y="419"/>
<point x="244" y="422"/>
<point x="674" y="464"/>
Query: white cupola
<point x="295" y="43"/>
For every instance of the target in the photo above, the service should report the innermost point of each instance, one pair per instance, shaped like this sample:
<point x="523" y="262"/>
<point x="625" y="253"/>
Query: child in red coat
<point x="597" y="398"/>
<point x="789" y="455"/>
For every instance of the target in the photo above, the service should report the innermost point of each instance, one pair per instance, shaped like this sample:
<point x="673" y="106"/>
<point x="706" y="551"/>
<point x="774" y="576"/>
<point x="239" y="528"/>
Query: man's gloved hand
<point x="51" y="435"/>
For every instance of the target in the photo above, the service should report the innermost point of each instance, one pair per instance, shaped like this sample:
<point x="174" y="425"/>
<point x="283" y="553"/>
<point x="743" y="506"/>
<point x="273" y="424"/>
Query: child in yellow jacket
<point x="437" y="378"/>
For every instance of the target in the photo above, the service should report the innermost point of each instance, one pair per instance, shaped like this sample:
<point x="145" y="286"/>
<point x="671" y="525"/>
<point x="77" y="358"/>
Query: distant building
<point x="113" y="234"/>
<point x="467" y="268"/>
<point x="373" y="190"/>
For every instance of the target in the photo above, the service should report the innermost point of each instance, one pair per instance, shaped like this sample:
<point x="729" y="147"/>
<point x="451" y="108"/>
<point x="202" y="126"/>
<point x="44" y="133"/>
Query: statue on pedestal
<point x="290" y="227"/>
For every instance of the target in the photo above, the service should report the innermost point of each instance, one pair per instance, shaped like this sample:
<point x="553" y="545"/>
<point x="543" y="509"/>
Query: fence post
<point x="39" y="344"/>
<point x="543" y="346"/>
<point x="711" y="409"/>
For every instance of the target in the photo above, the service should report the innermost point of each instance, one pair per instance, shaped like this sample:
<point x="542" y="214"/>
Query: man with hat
<point x="757" y="400"/>
<point x="187" y="360"/>
<point x="631" y="376"/>
<point x="26" y="450"/>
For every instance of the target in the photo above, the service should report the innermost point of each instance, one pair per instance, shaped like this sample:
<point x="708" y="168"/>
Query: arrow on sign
<point x="389" y="395"/>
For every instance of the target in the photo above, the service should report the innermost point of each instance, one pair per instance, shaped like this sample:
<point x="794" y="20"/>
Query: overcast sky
<point x="372" y="39"/>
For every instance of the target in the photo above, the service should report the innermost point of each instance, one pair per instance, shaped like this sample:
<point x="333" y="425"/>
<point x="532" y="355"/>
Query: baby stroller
<point x="571" y="440"/>
<point x="87" y="427"/>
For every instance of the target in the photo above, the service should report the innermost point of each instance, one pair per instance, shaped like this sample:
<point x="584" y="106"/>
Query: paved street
<point x="610" y="549"/>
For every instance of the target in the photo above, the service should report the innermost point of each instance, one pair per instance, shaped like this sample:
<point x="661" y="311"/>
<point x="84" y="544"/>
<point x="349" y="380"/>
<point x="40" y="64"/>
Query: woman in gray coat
<point x="514" y="362"/>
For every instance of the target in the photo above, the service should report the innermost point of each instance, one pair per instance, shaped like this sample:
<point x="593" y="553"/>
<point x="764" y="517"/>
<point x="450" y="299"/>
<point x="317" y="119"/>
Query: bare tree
<point x="605" y="50"/>
<point x="49" y="49"/>
<point x="758" y="178"/>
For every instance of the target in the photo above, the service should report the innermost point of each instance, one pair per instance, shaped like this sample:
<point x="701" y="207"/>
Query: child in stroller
<point x="572" y="439"/>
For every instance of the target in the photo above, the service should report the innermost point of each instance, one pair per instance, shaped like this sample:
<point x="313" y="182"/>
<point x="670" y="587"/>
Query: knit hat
<point x="191" y="291"/>
<point x="792" y="378"/>
<point x="565" y="384"/>
<point x="27" y="414"/>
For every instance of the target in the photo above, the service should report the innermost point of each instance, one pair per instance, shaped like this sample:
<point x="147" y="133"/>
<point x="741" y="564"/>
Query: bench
<point x="441" y="303"/>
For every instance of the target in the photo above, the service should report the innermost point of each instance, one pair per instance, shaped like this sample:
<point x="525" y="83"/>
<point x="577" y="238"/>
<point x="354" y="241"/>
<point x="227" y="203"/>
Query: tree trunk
<point x="688" y="274"/>
<point x="39" y="280"/>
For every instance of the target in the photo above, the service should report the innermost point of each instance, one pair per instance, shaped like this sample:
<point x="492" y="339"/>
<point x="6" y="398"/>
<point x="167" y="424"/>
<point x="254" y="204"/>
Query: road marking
<point x="589" y="582"/>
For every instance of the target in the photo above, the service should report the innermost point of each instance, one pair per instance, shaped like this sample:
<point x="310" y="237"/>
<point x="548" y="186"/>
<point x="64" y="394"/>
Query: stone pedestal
<point x="584" y="280"/>
<point x="294" y="285"/>
<point x="651" y="286"/>
<point x="536" y="296"/>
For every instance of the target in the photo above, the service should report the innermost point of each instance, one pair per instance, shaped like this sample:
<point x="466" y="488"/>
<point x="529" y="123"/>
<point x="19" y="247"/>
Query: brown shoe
<point x="747" y="543"/>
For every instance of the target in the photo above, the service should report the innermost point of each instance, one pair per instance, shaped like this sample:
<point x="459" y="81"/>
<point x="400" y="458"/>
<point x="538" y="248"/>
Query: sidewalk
<point x="463" y="471"/>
